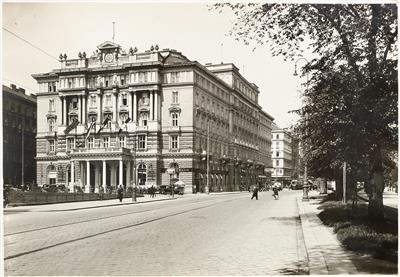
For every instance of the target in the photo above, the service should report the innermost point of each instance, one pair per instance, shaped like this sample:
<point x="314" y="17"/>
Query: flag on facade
<point x="71" y="126"/>
<point x="92" y="125"/>
<point x="123" y="126"/>
<point x="103" y="125"/>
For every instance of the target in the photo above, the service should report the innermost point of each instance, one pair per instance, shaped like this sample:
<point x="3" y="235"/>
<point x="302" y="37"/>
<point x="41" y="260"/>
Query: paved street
<point x="193" y="235"/>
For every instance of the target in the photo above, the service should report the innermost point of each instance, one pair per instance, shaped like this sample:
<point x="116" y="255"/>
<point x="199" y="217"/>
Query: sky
<point x="191" y="28"/>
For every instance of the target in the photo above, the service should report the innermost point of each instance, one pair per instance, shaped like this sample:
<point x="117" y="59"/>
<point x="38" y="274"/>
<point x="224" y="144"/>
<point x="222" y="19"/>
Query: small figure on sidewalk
<point x="120" y="192"/>
<point x="101" y="192"/>
<point x="255" y="193"/>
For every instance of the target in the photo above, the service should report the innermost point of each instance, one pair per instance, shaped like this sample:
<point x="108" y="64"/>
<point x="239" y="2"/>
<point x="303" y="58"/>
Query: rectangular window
<point x="122" y="141"/>
<point x="277" y="162"/>
<point x="108" y="100"/>
<point x="51" y="105"/>
<point x="277" y="153"/>
<point x="141" y="142"/>
<point x="175" y="97"/>
<point x="106" y="142"/>
<point x="124" y="100"/>
<point x="174" y="142"/>
<point x="52" y="146"/>
<point x="175" y="119"/>
<point x="70" y="143"/>
<point x="51" y="125"/>
<point x="90" y="143"/>
<point x="93" y="100"/>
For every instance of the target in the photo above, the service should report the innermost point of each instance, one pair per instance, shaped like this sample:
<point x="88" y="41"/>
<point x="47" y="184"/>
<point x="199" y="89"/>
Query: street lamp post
<point x="305" y="183"/>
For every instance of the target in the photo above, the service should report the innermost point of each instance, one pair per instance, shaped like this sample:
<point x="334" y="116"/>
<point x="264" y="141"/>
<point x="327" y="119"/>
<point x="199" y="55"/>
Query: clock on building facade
<point x="109" y="57"/>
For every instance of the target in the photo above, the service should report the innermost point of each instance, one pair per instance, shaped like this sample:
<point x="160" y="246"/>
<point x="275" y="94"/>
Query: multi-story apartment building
<point x="19" y="131"/>
<point x="282" y="155"/>
<point x="125" y="118"/>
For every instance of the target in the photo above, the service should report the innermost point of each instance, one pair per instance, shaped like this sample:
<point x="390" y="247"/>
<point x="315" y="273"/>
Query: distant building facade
<point x="19" y="136"/>
<point x="128" y="118"/>
<point x="285" y="155"/>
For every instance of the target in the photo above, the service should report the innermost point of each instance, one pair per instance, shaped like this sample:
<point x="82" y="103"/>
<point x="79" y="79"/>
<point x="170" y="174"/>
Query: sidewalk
<point x="71" y="206"/>
<point x="325" y="253"/>
<point x="82" y="205"/>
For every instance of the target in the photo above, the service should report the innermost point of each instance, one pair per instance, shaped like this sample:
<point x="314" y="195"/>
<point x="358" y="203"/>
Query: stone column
<point x="121" y="175"/>
<point x="98" y="99"/>
<point x="80" y="109"/>
<point x="134" y="106"/>
<point x="156" y="105"/>
<point x="104" y="175"/>
<point x="151" y="105"/>
<point x="84" y="110"/>
<point x="87" y="187"/>
<point x="82" y="173"/>
<point x="64" y="110"/>
<point x="113" y="175"/>
<point x="128" y="174"/>
<point x="130" y="104"/>
<point x="72" y="173"/>
<point x="96" y="177"/>
<point x="115" y="107"/>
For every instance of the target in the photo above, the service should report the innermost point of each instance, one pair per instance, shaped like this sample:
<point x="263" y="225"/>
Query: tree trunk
<point x="339" y="187"/>
<point x="375" y="206"/>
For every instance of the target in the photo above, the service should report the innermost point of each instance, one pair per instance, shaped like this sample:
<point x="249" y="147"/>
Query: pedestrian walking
<point x="120" y="192"/>
<point x="255" y="193"/>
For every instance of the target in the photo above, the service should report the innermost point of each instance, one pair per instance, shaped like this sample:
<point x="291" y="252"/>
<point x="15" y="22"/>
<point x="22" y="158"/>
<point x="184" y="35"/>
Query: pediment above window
<point x="174" y="109"/>
<point x="51" y="116"/>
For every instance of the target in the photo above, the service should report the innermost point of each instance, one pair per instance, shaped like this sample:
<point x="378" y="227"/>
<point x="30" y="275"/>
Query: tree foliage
<point x="350" y="112"/>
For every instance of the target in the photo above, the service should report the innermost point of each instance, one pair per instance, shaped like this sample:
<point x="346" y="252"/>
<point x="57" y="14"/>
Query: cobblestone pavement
<point x="211" y="235"/>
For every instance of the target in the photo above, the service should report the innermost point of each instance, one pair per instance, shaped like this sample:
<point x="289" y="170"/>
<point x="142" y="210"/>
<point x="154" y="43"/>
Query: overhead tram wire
<point x="31" y="44"/>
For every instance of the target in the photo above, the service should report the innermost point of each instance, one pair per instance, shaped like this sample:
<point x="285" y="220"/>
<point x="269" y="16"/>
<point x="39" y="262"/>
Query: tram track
<point x="24" y="253"/>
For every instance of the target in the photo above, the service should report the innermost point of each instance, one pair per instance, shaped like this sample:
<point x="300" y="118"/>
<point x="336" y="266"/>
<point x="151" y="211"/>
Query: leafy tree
<point x="351" y="106"/>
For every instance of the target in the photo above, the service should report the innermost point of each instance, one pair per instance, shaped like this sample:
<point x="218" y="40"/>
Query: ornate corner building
<point x="125" y="118"/>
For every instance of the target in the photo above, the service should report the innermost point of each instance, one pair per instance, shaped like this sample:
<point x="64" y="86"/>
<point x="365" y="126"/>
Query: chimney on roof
<point x="13" y="87"/>
<point x="21" y="90"/>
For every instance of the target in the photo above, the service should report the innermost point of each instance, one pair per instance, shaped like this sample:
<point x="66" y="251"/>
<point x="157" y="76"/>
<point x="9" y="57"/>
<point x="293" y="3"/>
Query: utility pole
<point x="208" y="158"/>
<point x="344" y="182"/>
